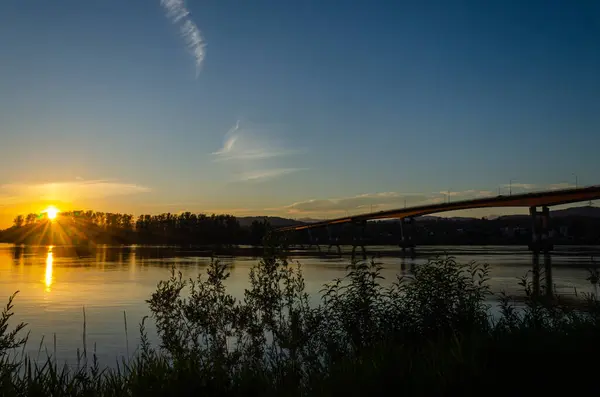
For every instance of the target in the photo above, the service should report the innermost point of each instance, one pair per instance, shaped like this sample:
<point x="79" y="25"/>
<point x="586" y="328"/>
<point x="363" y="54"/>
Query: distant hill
<point x="461" y="218"/>
<point x="512" y="217"/>
<point x="587" y="211"/>
<point x="310" y="220"/>
<point x="275" y="221"/>
<point x="430" y="218"/>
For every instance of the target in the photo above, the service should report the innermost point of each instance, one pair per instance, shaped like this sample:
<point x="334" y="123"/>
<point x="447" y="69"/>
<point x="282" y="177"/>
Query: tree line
<point x="166" y="228"/>
<point x="199" y="229"/>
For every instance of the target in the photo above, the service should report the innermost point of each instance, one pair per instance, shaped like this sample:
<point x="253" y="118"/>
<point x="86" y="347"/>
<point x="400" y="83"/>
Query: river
<point x="55" y="284"/>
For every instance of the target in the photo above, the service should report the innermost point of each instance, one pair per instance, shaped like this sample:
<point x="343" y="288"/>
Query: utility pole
<point x="576" y="181"/>
<point x="510" y="187"/>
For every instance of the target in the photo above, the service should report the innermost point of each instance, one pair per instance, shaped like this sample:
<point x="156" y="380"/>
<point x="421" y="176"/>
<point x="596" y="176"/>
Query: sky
<point x="297" y="109"/>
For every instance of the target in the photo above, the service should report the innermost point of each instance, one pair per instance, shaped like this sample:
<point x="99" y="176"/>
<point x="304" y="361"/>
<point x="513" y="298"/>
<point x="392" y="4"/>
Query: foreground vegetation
<point x="427" y="335"/>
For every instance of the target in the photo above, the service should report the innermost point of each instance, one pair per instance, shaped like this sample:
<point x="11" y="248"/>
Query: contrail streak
<point x="179" y="14"/>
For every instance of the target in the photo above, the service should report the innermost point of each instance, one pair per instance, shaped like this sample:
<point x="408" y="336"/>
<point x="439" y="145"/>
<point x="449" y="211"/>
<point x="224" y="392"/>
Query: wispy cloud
<point x="467" y="193"/>
<point x="254" y="153"/>
<point x="531" y="187"/>
<point x="362" y="202"/>
<point x="454" y="193"/>
<point x="71" y="190"/>
<point x="178" y="13"/>
<point x="250" y="144"/>
<point x="264" y="175"/>
<point x="560" y="186"/>
<point x="230" y="137"/>
<point x="523" y="186"/>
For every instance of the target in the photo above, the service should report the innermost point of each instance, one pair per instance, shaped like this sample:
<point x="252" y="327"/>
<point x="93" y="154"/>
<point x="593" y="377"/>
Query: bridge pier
<point x="313" y="241"/>
<point x="407" y="243"/>
<point x="333" y="241"/>
<point x="541" y="244"/>
<point x="360" y="241"/>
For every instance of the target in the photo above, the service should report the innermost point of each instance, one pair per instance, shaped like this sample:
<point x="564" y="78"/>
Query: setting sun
<point x="51" y="212"/>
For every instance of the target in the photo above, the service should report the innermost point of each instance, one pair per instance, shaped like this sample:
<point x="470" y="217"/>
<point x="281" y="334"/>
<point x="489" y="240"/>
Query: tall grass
<point x="430" y="334"/>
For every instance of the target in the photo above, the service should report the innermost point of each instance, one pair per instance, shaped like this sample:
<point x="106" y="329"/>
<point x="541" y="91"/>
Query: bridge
<point x="541" y="242"/>
<point x="528" y="200"/>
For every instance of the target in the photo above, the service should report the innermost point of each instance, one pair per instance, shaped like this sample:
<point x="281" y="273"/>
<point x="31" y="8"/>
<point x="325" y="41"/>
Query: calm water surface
<point x="57" y="283"/>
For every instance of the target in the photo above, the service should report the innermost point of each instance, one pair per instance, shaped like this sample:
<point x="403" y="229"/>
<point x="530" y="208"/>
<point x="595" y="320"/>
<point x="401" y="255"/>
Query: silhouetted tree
<point x="30" y="219"/>
<point x="258" y="231"/>
<point x="18" y="221"/>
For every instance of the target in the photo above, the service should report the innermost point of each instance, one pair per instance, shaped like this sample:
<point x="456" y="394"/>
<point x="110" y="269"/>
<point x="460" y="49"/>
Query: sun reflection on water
<point x="49" y="261"/>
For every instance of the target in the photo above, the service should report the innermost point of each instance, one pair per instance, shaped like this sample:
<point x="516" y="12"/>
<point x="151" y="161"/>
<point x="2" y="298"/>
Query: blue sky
<point x="307" y="108"/>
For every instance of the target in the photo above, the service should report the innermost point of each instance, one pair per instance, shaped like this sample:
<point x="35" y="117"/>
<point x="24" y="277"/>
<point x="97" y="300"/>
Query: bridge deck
<point x="538" y="199"/>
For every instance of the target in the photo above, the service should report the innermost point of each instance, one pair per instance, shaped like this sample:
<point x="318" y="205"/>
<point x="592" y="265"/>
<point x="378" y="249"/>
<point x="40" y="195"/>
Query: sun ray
<point x="81" y="229"/>
<point x="64" y="237"/>
<point x="23" y="235"/>
<point x="42" y="234"/>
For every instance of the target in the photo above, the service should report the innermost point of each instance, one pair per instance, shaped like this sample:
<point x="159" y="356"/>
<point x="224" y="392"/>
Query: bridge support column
<point x="333" y="241"/>
<point x="541" y="243"/>
<point x="407" y="232"/>
<point x="313" y="241"/>
<point x="360" y="241"/>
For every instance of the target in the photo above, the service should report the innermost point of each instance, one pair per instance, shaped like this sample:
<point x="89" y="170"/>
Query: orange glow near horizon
<point x="51" y="212"/>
